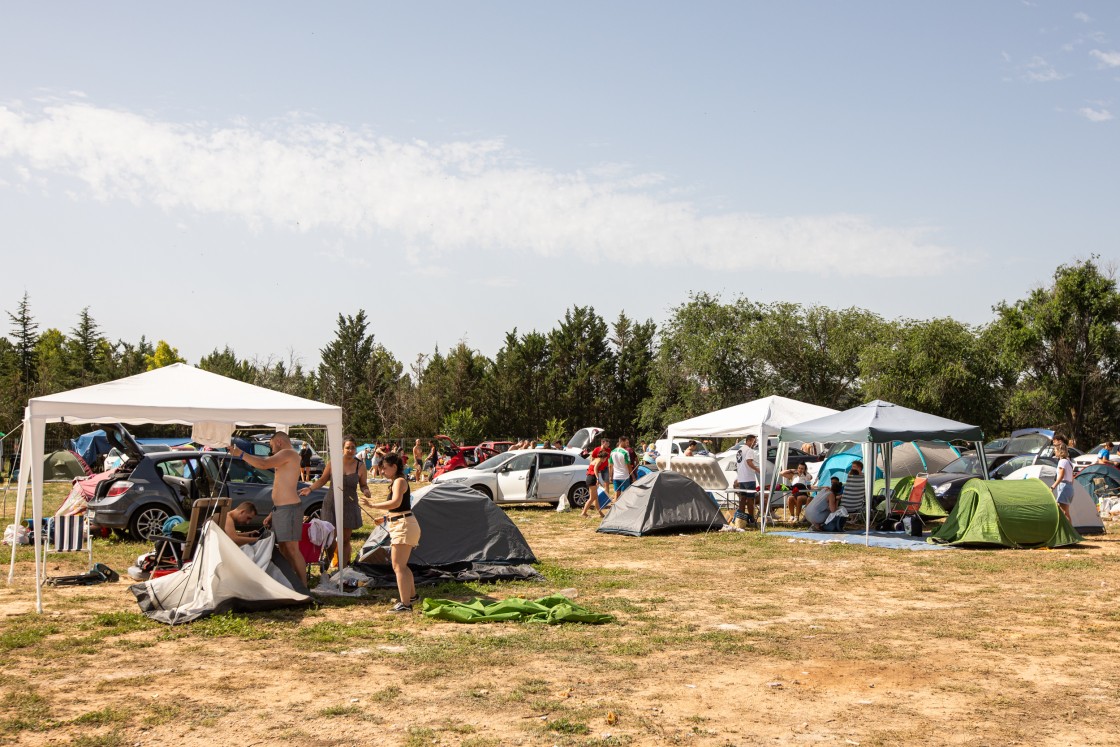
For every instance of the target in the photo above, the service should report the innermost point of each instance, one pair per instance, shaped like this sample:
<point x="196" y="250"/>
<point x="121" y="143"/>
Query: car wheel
<point x="484" y="490"/>
<point x="147" y="522"/>
<point x="315" y="511"/>
<point x="578" y="495"/>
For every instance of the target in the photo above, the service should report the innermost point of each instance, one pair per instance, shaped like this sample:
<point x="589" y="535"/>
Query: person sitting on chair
<point x="243" y="514"/>
<point x="824" y="505"/>
<point x="799" y="489"/>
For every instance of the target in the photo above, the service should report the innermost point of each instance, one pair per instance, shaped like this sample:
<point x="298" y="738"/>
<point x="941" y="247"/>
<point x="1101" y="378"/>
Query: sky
<point x="240" y="174"/>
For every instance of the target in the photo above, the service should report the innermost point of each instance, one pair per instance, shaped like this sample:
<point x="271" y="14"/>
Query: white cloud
<point x="475" y="196"/>
<point x="1095" y="115"/>
<point x="1083" y="17"/>
<point x="1106" y="59"/>
<point x="1039" y="70"/>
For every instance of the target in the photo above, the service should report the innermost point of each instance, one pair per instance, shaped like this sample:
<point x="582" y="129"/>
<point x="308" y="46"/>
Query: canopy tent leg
<point x="868" y="487"/>
<point x="37" y="437"/>
<point x="334" y="448"/>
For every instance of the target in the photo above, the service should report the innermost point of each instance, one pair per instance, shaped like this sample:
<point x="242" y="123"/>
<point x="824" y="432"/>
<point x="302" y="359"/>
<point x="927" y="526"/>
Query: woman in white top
<point x="798" y="480"/>
<point x="1063" y="481"/>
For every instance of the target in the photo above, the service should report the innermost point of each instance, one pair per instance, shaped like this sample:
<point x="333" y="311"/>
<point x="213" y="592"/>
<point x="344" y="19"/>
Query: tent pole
<point x="983" y="459"/>
<point x="868" y="486"/>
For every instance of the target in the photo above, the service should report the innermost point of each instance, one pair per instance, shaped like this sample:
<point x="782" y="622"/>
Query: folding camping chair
<point x="852" y="497"/>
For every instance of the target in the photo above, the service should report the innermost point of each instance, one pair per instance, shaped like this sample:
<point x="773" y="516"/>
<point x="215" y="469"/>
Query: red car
<point x="456" y="457"/>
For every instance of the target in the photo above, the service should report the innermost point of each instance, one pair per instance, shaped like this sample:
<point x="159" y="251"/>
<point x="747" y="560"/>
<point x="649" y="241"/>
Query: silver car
<point x="527" y="476"/>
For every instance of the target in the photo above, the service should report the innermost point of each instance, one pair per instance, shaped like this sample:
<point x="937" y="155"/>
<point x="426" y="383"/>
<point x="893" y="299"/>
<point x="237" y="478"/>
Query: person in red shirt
<point x="597" y="474"/>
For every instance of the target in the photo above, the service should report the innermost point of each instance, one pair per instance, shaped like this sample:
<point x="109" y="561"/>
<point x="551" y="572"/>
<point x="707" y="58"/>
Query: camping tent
<point x="877" y="425"/>
<point x="1083" y="513"/>
<point x="1006" y="513"/>
<point x="91" y="446"/>
<point x="459" y="526"/>
<point x="223" y="577"/>
<point x="763" y="417"/>
<point x="62" y="465"/>
<point x="1098" y="480"/>
<point x="662" y="502"/>
<point x="175" y="394"/>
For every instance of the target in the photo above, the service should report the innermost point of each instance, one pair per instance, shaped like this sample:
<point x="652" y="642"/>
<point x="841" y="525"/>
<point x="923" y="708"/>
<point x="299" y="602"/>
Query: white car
<point x="527" y="476"/>
<point x="1090" y="457"/>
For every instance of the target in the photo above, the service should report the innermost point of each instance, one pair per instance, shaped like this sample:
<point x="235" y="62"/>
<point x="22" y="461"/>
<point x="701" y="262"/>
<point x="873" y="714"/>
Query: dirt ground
<point x="719" y="639"/>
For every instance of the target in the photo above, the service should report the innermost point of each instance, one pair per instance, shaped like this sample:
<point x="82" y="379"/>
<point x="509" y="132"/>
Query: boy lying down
<point x="243" y="514"/>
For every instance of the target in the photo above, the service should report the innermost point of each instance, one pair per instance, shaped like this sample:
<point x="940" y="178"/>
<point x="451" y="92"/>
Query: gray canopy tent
<point x="877" y="425"/>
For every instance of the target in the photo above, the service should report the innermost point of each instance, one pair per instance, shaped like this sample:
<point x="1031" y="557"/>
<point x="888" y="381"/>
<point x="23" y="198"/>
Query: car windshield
<point x="1011" y="465"/>
<point x="965" y="465"/>
<point x="998" y="445"/>
<point x="1029" y="444"/>
<point x="494" y="462"/>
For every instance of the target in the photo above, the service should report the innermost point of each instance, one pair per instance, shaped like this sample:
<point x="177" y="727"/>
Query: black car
<point x="149" y="488"/>
<point x="948" y="482"/>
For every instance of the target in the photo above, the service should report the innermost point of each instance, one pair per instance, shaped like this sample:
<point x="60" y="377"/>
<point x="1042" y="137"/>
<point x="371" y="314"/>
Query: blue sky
<point x="218" y="175"/>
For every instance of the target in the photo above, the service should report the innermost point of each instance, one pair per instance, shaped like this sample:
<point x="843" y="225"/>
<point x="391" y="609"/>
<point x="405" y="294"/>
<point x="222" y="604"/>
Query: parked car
<point x="527" y="476"/>
<point x="1090" y="457"/>
<point x="149" y="488"/>
<point x="947" y="483"/>
<point x="584" y="440"/>
<point x="259" y="446"/>
<point x="1022" y="441"/>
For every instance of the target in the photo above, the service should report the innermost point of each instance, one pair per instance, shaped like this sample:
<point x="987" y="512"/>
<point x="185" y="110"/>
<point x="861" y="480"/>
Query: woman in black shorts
<point x="404" y="532"/>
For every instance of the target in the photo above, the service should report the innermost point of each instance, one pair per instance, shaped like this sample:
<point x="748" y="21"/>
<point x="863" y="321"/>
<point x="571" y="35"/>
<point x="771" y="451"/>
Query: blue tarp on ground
<point x="889" y="540"/>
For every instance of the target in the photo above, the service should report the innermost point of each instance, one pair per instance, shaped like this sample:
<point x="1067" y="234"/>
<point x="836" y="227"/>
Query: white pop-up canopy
<point x="763" y="417"/>
<point x="179" y="394"/>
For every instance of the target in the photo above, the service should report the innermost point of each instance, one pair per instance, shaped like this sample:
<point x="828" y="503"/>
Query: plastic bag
<point x="17" y="535"/>
<point x="562" y="504"/>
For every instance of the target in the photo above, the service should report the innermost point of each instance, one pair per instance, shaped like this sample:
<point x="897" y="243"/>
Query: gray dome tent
<point x="662" y="502"/>
<point x="462" y="533"/>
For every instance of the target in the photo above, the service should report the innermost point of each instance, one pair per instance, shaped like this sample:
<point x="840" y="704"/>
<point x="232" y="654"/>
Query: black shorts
<point x="590" y="480"/>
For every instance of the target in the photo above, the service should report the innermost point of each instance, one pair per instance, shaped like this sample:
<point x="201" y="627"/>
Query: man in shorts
<point x="623" y="466"/>
<point x="746" y="481"/>
<point x="243" y="514"/>
<point x="286" y="519"/>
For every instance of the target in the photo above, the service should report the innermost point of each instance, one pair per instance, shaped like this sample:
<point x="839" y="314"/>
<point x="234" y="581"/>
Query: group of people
<point x="620" y="464"/>
<point x="286" y="519"/>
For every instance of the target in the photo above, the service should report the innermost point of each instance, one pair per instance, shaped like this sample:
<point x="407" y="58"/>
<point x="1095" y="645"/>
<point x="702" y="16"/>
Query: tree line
<point x="1051" y="359"/>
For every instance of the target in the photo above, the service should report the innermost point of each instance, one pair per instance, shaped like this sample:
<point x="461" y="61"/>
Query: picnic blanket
<point x="889" y="540"/>
<point x="551" y="609"/>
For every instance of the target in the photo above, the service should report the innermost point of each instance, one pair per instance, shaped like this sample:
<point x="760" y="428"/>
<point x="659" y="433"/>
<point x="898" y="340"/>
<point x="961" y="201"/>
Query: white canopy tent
<point x="179" y="394"/>
<point x="763" y="417"/>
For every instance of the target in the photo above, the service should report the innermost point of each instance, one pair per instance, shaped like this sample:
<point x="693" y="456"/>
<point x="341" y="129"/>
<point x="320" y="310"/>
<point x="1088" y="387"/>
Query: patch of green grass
<point x="480" y="742"/>
<point x="103" y="717"/>
<point x="27" y="710"/>
<point x="115" y="623"/>
<point x="231" y="625"/>
<point x="457" y="728"/>
<point x="419" y="736"/>
<point x="564" y="726"/>
<point x="161" y="713"/>
<point x="350" y="709"/>
<point x="387" y="694"/>
<point x="113" y="739"/>
<point x="26" y="631"/>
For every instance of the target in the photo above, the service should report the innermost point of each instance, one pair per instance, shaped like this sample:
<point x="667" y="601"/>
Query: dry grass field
<point x="719" y="639"/>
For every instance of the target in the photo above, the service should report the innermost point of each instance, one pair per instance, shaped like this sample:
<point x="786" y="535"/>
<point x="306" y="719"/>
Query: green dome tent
<point x="62" y="465"/>
<point x="1006" y="513"/>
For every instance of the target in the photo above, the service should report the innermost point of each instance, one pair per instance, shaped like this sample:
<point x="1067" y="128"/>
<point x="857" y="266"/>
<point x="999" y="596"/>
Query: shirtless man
<point x="243" y="514"/>
<point x="286" y="518"/>
<point x="417" y="459"/>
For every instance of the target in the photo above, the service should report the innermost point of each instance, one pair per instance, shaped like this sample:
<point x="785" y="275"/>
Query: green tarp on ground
<point x="1006" y="513"/>
<point x="552" y="610"/>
